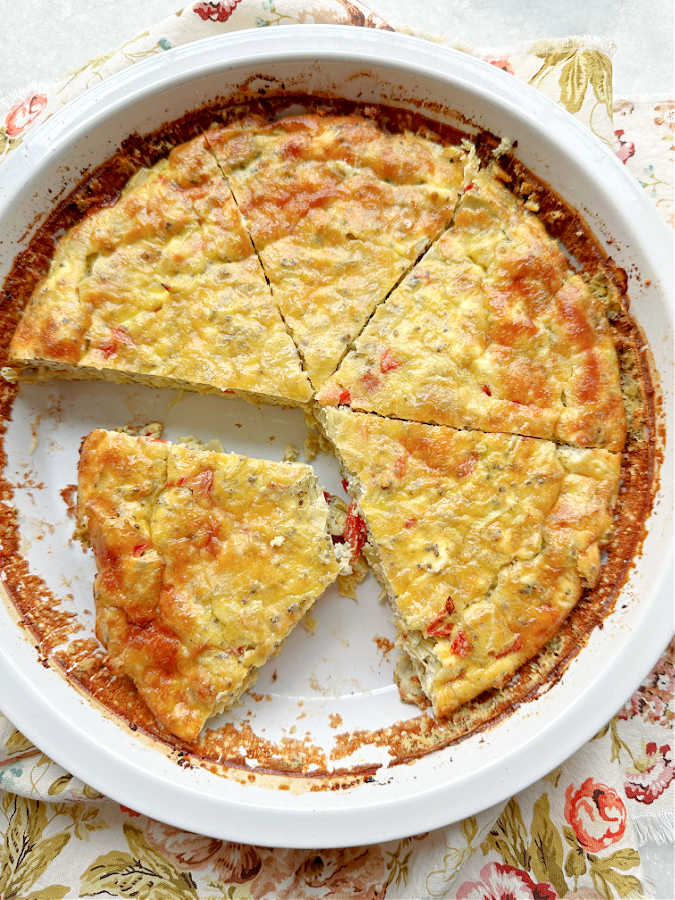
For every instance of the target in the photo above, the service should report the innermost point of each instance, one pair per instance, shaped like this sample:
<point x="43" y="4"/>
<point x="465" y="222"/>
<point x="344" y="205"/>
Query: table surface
<point x="42" y="40"/>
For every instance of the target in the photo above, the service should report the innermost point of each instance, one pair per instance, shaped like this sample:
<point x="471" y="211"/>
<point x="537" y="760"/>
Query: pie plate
<point x="327" y="686"/>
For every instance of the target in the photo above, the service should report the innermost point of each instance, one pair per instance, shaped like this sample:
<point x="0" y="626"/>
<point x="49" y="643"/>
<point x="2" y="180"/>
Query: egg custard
<point x="338" y="210"/>
<point x="205" y="562"/>
<point x="493" y="330"/>
<point x="482" y="542"/>
<point x="163" y="287"/>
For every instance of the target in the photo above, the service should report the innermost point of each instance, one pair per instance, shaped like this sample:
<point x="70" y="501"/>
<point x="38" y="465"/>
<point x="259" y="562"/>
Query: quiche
<point x="163" y="287"/>
<point x="338" y="210"/>
<point x="205" y="562"/>
<point x="491" y="330"/>
<point x="482" y="542"/>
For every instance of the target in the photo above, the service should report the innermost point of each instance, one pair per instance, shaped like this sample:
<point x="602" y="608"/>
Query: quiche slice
<point x="205" y="562"/>
<point x="338" y="210"/>
<point x="491" y="330"/>
<point x="164" y="288"/>
<point x="483" y="542"/>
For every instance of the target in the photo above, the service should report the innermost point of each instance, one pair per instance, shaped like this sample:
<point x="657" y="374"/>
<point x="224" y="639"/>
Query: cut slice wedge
<point x="205" y="562"/>
<point x="338" y="210"/>
<point x="164" y="288"/>
<point x="483" y="542"/>
<point x="491" y="330"/>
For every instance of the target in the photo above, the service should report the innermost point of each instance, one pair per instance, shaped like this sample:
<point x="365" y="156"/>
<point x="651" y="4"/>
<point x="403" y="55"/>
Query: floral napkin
<point x="575" y="833"/>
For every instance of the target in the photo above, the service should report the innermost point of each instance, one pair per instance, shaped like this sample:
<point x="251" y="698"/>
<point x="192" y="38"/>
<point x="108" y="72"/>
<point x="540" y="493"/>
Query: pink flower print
<point x="626" y="149"/>
<point x="596" y="813"/>
<point x="216" y="12"/>
<point x="502" y="882"/>
<point x="20" y="116"/>
<point x="502" y="64"/>
<point x="651" y="775"/>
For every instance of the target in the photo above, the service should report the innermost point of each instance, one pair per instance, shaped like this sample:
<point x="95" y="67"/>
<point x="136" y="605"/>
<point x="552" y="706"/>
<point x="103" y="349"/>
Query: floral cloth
<point x="575" y="833"/>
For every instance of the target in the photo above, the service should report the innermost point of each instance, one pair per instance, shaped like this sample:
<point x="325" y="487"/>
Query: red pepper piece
<point x="370" y="382"/>
<point x="400" y="465"/>
<point x="440" y="626"/>
<point x="516" y="645"/>
<point x="117" y="337"/>
<point x="461" y="646"/>
<point x="356" y="532"/>
<point x="202" y="483"/>
<point x="388" y="361"/>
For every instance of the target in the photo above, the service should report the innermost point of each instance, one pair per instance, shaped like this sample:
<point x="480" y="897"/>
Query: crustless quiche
<point x="463" y="371"/>
<point x="483" y="542"/>
<point x="205" y="562"/>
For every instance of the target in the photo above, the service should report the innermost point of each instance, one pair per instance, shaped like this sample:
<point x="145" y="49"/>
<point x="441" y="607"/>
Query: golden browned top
<point x="205" y="562"/>
<point x="164" y="285"/>
<point x="484" y="541"/>
<point x="338" y="209"/>
<point x="491" y="330"/>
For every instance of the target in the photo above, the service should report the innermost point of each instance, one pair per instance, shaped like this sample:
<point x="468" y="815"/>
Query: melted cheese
<point x="205" y="562"/>
<point x="491" y="330"/>
<point x="484" y="542"/>
<point x="164" y="287"/>
<point x="338" y="210"/>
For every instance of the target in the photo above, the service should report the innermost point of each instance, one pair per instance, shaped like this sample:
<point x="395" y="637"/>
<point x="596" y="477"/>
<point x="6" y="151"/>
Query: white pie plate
<point x="339" y="668"/>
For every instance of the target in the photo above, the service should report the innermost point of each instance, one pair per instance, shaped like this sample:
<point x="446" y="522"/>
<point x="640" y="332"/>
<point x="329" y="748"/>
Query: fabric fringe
<point x="659" y="828"/>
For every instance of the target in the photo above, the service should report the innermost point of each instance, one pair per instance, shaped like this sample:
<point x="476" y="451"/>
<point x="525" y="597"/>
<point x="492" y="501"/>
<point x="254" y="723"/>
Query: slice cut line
<point x="163" y="288"/>
<point x="492" y="330"/>
<point x="338" y="210"/>
<point x="482" y="542"/>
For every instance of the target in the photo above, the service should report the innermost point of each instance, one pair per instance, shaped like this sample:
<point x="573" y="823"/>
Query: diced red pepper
<point x="345" y="484"/>
<point x="117" y="337"/>
<point x="410" y="522"/>
<point x="466" y="466"/>
<point x="327" y="496"/>
<point x="212" y="535"/>
<point x="400" y="465"/>
<point x="370" y="381"/>
<point x="202" y="483"/>
<point x="140" y="549"/>
<point x="461" y="646"/>
<point x="486" y="390"/>
<point x="440" y="625"/>
<point x="516" y="645"/>
<point x="335" y="395"/>
<point x="388" y="361"/>
<point x="469" y="187"/>
<point x="356" y="532"/>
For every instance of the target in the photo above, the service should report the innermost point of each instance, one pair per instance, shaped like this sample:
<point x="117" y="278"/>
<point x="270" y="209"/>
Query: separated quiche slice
<point x="491" y="330"/>
<point x="338" y="209"/>
<point x="483" y="542"/>
<point x="164" y="288"/>
<point x="205" y="562"/>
